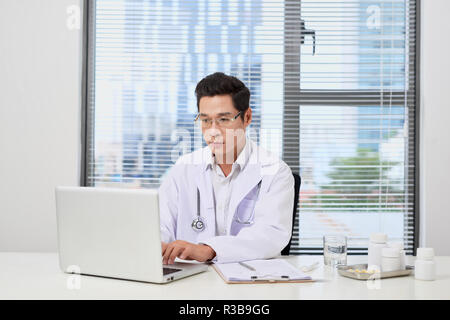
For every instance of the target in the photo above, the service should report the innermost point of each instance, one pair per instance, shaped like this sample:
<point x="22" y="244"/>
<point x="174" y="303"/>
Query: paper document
<point x="272" y="269"/>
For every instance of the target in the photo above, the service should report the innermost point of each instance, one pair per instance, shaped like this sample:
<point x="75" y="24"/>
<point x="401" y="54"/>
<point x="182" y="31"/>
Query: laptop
<point x="114" y="233"/>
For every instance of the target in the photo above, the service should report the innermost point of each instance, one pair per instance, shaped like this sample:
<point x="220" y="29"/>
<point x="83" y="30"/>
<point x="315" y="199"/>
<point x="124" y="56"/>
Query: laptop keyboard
<point x="167" y="271"/>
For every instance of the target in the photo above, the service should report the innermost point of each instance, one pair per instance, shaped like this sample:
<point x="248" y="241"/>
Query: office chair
<point x="297" y="182"/>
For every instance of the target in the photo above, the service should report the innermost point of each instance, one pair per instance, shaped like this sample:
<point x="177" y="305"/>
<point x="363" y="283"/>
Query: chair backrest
<point x="297" y="182"/>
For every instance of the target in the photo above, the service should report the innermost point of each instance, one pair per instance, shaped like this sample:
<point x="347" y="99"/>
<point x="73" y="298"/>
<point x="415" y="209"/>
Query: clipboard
<point x="255" y="281"/>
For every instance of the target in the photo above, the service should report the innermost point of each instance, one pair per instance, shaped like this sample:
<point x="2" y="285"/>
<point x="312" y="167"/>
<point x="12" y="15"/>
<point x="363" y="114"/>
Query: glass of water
<point x="335" y="250"/>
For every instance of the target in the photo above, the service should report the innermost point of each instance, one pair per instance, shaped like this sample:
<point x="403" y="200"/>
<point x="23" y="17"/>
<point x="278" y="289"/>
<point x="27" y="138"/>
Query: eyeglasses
<point x="223" y="122"/>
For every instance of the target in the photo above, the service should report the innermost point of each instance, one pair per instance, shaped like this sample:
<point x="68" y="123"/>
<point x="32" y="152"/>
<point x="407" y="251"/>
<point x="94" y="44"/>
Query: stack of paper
<point x="264" y="270"/>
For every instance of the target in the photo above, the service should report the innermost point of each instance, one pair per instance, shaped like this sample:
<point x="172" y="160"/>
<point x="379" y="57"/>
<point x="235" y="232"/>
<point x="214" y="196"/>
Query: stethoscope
<point x="199" y="225"/>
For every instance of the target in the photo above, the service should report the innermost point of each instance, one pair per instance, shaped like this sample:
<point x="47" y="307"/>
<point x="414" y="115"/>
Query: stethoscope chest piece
<point x="198" y="224"/>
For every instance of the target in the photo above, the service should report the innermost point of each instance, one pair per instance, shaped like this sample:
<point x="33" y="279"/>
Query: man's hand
<point x="186" y="251"/>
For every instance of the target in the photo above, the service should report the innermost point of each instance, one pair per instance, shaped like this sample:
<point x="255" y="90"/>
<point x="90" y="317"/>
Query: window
<point x="333" y="93"/>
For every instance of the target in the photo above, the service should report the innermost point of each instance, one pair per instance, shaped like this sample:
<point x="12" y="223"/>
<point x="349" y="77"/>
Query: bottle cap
<point x="425" y="253"/>
<point x="378" y="237"/>
<point x="390" y="252"/>
<point x="397" y="245"/>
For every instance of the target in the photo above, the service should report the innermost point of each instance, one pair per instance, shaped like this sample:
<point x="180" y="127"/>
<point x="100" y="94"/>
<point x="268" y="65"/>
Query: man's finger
<point x="185" y="255"/>
<point x="167" y="252"/>
<point x="163" y="247"/>
<point x="175" y="253"/>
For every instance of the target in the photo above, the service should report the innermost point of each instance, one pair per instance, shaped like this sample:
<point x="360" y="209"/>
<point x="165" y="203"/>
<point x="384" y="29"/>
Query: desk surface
<point x="37" y="276"/>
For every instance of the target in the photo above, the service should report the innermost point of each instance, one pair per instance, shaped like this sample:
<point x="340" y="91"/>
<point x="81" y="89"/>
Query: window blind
<point x="342" y="116"/>
<point x="352" y="106"/>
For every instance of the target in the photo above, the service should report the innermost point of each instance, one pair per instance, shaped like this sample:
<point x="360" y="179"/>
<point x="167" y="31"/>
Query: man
<point x="230" y="201"/>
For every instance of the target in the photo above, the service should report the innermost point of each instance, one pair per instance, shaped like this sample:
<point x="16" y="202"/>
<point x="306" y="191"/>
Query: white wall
<point x="435" y="131"/>
<point x="39" y="119"/>
<point x="40" y="65"/>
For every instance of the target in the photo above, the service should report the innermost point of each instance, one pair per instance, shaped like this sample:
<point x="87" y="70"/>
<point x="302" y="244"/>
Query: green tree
<point x="360" y="182"/>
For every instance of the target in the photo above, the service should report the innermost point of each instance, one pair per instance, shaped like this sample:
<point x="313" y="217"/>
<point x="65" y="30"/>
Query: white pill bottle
<point x="425" y="267"/>
<point x="390" y="259"/>
<point x="402" y="253"/>
<point x="376" y="244"/>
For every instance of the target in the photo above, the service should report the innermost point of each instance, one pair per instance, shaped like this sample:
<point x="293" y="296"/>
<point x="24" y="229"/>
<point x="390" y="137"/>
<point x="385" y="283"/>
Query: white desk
<point x="37" y="276"/>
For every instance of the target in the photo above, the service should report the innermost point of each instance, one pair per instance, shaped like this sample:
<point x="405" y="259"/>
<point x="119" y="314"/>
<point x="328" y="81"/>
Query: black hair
<point x="218" y="84"/>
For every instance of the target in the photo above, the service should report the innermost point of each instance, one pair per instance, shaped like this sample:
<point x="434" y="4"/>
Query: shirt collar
<point x="243" y="157"/>
<point x="241" y="160"/>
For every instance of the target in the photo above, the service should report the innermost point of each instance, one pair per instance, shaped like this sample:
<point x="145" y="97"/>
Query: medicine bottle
<point x="425" y="267"/>
<point x="377" y="242"/>
<point x="402" y="253"/>
<point x="390" y="259"/>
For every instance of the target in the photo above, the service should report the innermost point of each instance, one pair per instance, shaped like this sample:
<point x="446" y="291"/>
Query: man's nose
<point x="213" y="132"/>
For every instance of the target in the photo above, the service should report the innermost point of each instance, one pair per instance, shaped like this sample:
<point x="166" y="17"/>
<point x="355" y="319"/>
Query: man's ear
<point x="248" y="117"/>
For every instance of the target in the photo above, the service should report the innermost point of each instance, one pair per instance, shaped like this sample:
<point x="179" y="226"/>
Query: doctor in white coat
<point x="232" y="200"/>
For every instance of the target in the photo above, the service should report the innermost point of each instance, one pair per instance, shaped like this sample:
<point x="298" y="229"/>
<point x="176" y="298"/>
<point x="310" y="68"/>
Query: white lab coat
<point x="269" y="209"/>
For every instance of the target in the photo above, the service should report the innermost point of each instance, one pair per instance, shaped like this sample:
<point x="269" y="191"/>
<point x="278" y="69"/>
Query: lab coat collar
<point x="209" y="163"/>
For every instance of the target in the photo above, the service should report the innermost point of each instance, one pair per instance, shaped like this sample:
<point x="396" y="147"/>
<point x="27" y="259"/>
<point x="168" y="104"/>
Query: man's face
<point x="225" y="138"/>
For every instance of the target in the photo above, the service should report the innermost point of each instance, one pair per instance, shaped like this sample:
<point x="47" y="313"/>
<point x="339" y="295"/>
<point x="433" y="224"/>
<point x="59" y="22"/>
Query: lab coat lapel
<point x="247" y="179"/>
<point x="207" y="209"/>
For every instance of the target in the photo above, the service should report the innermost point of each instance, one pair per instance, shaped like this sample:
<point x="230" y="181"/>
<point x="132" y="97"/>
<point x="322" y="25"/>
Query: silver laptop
<point x="114" y="233"/>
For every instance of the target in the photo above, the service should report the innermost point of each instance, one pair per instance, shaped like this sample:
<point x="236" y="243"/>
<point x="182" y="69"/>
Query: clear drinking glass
<point x="335" y="250"/>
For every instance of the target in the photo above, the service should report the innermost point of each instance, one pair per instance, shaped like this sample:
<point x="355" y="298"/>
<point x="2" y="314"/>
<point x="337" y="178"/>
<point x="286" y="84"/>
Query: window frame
<point x="291" y="111"/>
